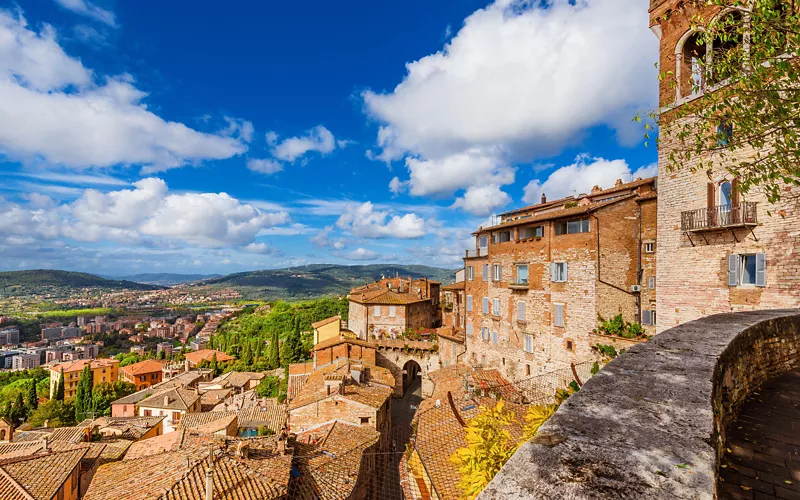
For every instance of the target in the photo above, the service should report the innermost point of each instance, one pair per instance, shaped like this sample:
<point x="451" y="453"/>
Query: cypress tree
<point x="83" y="397"/>
<point x="60" y="387"/>
<point x="33" y="399"/>
<point x="214" y="366"/>
<point x="18" y="411"/>
<point x="274" y="357"/>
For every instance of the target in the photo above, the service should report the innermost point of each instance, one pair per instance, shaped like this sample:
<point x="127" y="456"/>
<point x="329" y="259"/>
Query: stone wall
<point x="652" y="422"/>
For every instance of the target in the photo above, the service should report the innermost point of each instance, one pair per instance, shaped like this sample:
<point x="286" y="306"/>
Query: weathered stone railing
<point x="651" y="424"/>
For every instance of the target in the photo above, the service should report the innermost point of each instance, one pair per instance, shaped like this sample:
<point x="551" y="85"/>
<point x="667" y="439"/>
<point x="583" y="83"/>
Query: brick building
<point x="539" y="278"/>
<point x="142" y="374"/>
<point x="389" y="307"/>
<point x="718" y="250"/>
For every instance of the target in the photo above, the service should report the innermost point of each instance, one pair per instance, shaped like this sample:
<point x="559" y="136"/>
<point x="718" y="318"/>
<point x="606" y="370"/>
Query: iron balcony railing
<point x="480" y="252"/>
<point x="722" y="216"/>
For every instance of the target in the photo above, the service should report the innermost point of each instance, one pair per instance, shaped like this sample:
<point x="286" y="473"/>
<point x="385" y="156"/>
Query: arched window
<point x="725" y="194"/>
<point x="692" y="66"/>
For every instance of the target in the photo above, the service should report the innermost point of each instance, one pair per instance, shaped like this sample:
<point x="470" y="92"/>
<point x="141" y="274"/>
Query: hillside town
<point x="637" y="340"/>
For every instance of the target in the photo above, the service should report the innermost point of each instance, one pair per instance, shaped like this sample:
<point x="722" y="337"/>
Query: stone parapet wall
<point x="651" y="423"/>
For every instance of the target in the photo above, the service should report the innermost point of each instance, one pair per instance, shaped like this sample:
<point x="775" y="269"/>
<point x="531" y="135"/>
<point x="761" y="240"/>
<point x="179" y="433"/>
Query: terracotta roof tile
<point x="207" y="355"/>
<point x="38" y="477"/>
<point x="172" y="399"/>
<point x="386" y="296"/>
<point x="146" y="366"/>
<point x="325" y="321"/>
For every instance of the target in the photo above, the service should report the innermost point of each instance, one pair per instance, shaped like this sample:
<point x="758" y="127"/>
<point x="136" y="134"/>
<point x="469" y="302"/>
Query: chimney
<point x="618" y="183"/>
<point x="186" y="365"/>
<point x="544" y="198"/>
<point x="242" y="450"/>
<point x="166" y="400"/>
<point x="596" y="189"/>
<point x="46" y="423"/>
<point x="210" y="483"/>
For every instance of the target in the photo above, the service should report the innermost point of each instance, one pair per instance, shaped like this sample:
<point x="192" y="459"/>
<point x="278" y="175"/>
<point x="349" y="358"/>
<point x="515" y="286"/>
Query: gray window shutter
<point x="565" y="271"/>
<point x="646" y="318"/>
<point x="733" y="270"/>
<point x="553" y="271"/>
<point x="761" y="269"/>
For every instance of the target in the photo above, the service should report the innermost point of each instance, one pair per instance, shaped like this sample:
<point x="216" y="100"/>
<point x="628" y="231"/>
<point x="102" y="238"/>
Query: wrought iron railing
<point x="720" y="217"/>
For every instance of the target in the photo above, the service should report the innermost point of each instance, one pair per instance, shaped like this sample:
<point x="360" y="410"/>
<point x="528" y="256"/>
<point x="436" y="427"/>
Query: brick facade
<point x="602" y="265"/>
<point x="693" y="267"/>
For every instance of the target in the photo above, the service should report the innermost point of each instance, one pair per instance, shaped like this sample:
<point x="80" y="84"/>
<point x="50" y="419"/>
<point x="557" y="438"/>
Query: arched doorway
<point x="410" y="373"/>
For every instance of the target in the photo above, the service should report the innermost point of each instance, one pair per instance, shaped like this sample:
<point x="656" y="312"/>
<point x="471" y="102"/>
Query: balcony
<point x="519" y="284"/>
<point x="720" y="217"/>
<point x="480" y="252"/>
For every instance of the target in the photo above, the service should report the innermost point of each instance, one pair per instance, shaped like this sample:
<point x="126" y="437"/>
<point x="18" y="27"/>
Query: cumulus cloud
<point x="366" y="222"/>
<point x="582" y="175"/>
<point x="148" y="211"/>
<point x="519" y="81"/>
<point x="323" y="239"/>
<point x="319" y="139"/>
<point x="262" y="249"/>
<point x="88" y="9"/>
<point x="482" y="200"/>
<point x="55" y="109"/>
<point x="240" y="128"/>
<point x="264" y="166"/>
<point x="360" y="254"/>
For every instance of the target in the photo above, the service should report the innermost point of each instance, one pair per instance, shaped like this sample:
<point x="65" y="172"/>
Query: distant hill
<point x="45" y="280"/>
<point x="167" y="279"/>
<point x="316" y="280"/>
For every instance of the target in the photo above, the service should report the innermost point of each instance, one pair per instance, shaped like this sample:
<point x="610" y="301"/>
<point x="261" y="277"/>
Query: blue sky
<point x="199" y="137"/>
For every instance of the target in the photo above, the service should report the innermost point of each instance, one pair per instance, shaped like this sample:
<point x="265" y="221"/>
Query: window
<point x="558" y="272"/>
<point x="691" y="72"/>
<point x="392" y="311"/>
<point x="469" y="303"/>
<point x="531" y="232"/>
<point x="651" y="283"/>
<point x="724" y="132"/>
<point x="648" y="317"/>
<point x="485" y="305"/>
<point x="469" y="329"/>
<point x="528" y="344"/>
<point x="376" y="311"/>
<point x="470" y="273"/>
<point x="527" y="370"/>
<point x="483" y="241"/>
<point x="484" y="333"/>
<point x="485" y="272"/>
<point x="364" y="420"/>
<point x="725" y="194"/>
<point x="747" y="269"/>
<point x="649" y="248"/>
<point x="496" y="307"/>
<point x="520" y="311"/>
<point x="572" y="226"/>
<point x="148" y="413"/>
<point x="522" y="274"/>
<point x="494" y="337"/>
<point x="558" y="319"/>
<point x="176" y="416"/>
<point x="570" y="345"/>
<point x="501" y="237"/>
<point x="497" y="272"/>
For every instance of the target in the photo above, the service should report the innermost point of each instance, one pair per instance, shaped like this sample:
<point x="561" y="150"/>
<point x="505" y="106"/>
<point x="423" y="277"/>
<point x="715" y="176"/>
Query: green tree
<point x="83" y="396"/>
<point x="18" y="412"/>
<point x="292" y="350"/>
<point x="107" y="392"/>
<point x="269" y="387"/>
<point x="274" y="358"/>
<point x="746" y="119"/>
<point x="59" y="395"/>
<point x="33" y="399"/>
<point x="214" y="367"/>
<point x="57" y="413"/>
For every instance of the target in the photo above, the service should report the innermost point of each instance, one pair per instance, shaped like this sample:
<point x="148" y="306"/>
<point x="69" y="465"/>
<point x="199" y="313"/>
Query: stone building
<point x="103" y="370"/>
<point x="391" y="306"/>
<point x="142" y="374"/>
<point x="539" y="279"/>
<point x="718" y="250"/>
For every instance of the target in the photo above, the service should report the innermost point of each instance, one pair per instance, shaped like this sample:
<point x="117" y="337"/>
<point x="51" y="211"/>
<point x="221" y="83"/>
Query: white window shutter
<point x="761" y="269"/>
<point x="565" y="271"/>
<point x="733" y="270"/>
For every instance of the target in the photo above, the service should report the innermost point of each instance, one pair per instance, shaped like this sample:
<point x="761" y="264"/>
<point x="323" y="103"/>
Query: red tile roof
<point x="146" y="366"/>
<point x="38" y="477"/>
<point x="206" y="355"/>
<point x="325" y="321"/>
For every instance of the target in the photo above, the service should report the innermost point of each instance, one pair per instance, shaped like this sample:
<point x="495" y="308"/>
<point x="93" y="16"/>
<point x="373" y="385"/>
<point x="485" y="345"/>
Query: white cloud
<point x="88" y="9"/>
<point x="519" y="81"/>
<point x="323" y="239"/>
<point x="482" y="200"/>
<point x="360" y="254"/>
<point x="240" y="128"/>
<point x="396" y="186"/>
<point x="319" y="139"/>
<point x="264" y="166"/>
<point x="55" y="110"/>
<point x="366" y="222"/>
<point x="262" y="249"/>
<point x="71" y="178"/>
<point x="290" y="230"/>
<point x="581" y="176"/>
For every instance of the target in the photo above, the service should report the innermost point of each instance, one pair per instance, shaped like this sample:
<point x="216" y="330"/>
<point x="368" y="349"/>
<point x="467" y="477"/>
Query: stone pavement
<point x="762" y="458"/>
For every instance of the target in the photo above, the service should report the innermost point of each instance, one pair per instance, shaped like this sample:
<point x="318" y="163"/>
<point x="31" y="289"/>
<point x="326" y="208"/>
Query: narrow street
<point x="403" y="411"/>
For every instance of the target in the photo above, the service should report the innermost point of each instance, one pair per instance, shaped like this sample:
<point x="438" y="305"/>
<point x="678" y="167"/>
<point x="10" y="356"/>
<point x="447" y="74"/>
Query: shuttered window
<point x="485" y="305"/>
<point x="392" y="311"/>
<point x="497" y="271"/>
<point x="376" y="311"/>
<point x="558" y="272"/>
<point x="470" y="273"/>
<point x="528" y="343"/>
<point x="494" y="337"/>
<point x="648" y="317"/>
<point x="520" y="311"/>
<point x="469" y="328"/>
<point x="747" y="269"/>
<point x="651" y="283"/>
<point x="469" y="303"/>
<point x="485" y="272"/>
<point x="558" y="319"/>
<point x="496" y="307"/>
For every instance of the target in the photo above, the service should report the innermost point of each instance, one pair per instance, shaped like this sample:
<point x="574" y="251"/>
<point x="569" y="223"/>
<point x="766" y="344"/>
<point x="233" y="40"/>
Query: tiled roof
<point x="20" y="449"/>
<point x="325" y="321"/>
<point x="448" y="333"/>
<point x="142" y="367"/>
<point x="69" y="434"/>
<point x="172" y="399"/>
<point x="76" y="366"/>
<point x="296" y="384"/>
<point x="214" y="397"/>
<point x="180" y="474"/>
<point x="371" y="395"/>
<point x="38" y="477"/>
<point x="386" y="296"/>
<point x="272" y="416"/>
<point x="154" y="445"/>
<point x="240" y="379"/>
<point x="127" y="427"/>
<point x="301" y="368"/>
<point x="458" y="285"/>
<point x="207" y="355"/>
<point x="328" y="460"/>
<point x="341" y="340"/>
<point x="220" y="424"/>
<point x="115" y="449"/>
<point x="652" y="195"/>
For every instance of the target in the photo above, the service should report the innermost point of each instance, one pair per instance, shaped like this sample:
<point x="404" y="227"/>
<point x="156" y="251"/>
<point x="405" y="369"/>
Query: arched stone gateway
<point x="407" y="360"/>
<point x="410" y="372"/>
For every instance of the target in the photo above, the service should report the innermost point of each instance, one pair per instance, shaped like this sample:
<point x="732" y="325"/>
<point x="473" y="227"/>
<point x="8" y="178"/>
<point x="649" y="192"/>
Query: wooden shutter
<point x="711" y="204"/>
<point x="553" y="271"/>
<point x="761" y="269"/>
<point x="736" y="209"/>
<point x="733" y="269"/>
